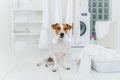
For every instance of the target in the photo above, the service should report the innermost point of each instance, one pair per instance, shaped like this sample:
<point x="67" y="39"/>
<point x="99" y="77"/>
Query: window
<point x="106" y="10"/>
<point x="94" y="17"/>
<point x="94" y="4"/>
<point x="99" y="10"/>
<point x="100" y="16"/>
<point x="106" y="4"/>
<point x="106" y="17"/>
<point x="100" y="4"/>
<point x="94" y="10"/>
<point x="93" y="23"/>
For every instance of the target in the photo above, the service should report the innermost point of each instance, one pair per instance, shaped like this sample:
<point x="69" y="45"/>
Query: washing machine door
<point x="82" y="28"/>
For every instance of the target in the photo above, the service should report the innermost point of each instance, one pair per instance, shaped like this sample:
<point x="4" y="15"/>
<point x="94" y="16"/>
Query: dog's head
<point x="61" y="30"/>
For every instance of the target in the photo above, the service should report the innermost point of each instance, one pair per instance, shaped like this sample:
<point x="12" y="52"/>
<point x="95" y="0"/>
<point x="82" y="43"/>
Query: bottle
<point x="92" y="39"/>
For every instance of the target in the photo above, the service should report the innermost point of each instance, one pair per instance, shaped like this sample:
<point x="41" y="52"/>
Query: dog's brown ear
<point x="54" y="25"/>
<point x="69" y="26"/>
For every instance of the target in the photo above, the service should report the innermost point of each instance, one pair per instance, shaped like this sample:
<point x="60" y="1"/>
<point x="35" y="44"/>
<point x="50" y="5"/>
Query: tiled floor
<point x="31" y="72"/>
<point x="28" y="71"/>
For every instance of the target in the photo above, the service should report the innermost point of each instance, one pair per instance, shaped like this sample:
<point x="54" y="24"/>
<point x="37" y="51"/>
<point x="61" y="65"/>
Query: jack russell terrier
<point x="59" y="50"/>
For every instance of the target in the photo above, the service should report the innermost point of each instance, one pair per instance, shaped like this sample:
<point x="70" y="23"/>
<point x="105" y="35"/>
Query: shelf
<point x="26" y="43"/>
<point x="26" y="46"/>
<point x="30" y="19"/>
<point x="20" y="9"/>
<point x="26" y="34"/>
<point x="27" y="22"/>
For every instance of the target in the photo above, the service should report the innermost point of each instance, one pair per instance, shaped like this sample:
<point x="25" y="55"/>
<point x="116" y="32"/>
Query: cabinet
<point x="26" y="25"/>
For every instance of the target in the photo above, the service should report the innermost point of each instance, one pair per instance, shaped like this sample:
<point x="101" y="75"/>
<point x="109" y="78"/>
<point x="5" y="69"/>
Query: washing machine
<point x="84" y="38"/>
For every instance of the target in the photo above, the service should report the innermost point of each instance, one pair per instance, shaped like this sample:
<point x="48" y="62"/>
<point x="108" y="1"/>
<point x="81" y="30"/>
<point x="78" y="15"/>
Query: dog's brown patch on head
<point x="69" y="26"/>
<point x="56" y="27"/>
<point x="66" y="27"/>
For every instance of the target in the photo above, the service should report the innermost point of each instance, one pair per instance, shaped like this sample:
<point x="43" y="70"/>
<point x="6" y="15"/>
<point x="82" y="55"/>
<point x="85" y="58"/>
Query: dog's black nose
<point x="61" y="35"/>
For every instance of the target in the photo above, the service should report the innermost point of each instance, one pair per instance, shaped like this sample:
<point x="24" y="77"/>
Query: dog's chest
<point x="60" y="47"/>
<point x="60" y="50"/>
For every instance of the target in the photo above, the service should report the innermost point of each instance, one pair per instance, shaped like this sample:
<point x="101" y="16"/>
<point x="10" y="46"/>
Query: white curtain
<point x="43" y="41"/>
<point x="59" y="11"/>
<point x="52" y="13"/>
<point x="72" y="17"/>
<point x="116" y="21"/>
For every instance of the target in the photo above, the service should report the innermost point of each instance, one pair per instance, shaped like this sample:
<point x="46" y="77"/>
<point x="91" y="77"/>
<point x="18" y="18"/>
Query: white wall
<point x="116" y="22"/>
<point x="109" y="40"/>
<point x="5" y="37"/>
<point x="112" y="39"/>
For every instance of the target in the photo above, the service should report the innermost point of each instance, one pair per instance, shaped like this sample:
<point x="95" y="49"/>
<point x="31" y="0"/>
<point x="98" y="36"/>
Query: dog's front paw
<point x="39" y="64"/>
<point x="67" y="68"/>
<point x="54" y="70"/>
<point x="46" y="65"/>
<point x="78" y="62"/>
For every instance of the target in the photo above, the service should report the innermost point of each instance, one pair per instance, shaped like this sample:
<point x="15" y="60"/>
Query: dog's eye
<point x="58" y="28"/>
<point x="65" y="28"/>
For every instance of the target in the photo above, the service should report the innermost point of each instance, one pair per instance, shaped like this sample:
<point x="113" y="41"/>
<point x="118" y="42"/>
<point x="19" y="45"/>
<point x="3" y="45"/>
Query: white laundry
<point x="102" y="28"/>
<point x="85" y="68"/>
<point x="94" y="51"/>
<point x="99" y="52"/>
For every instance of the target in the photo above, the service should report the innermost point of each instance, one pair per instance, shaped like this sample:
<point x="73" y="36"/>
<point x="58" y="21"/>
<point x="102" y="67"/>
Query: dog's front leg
<point x="66" y="64"/>
<point x="55" y="63"/>
<point x="43" y="59"/>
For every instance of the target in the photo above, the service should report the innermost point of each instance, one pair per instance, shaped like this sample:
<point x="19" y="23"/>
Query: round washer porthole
<point x="82" y="28"/>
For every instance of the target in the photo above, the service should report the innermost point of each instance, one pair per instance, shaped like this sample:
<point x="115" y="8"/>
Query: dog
<point x="60" y="47"/>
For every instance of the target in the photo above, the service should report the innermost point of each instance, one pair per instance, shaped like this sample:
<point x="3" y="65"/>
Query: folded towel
<point x="94" y="52"/>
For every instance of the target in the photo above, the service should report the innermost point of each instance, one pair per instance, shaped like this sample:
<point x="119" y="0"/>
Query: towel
<point x="102" y="28"/>
<point x="94" y="51"/>
<point x="90" y="52"/>
<point x="85" y="68"/>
